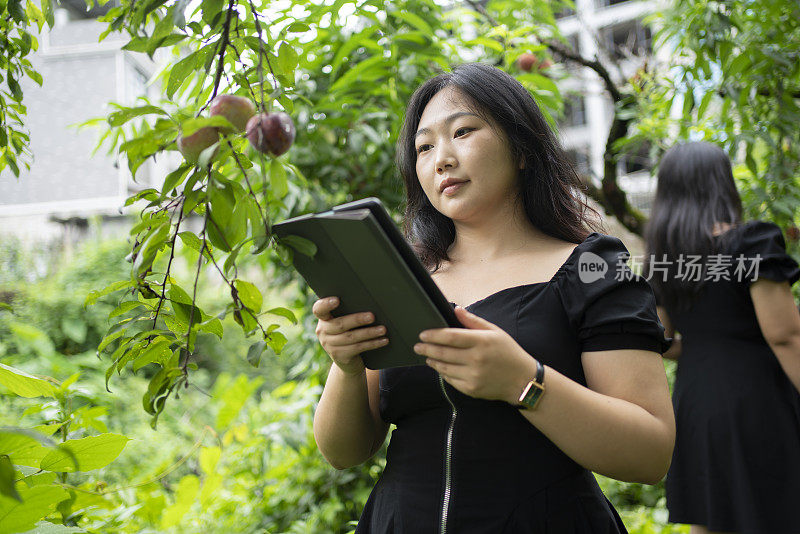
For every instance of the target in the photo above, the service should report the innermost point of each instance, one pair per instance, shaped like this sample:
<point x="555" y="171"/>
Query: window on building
<point x="606" y="3"/>
<point x="629" y="38"/>
<point x="574" y="110"/>
<point x="563" y="9"/>
<point x="574" y="42"/>
<point x="78" y="9"/>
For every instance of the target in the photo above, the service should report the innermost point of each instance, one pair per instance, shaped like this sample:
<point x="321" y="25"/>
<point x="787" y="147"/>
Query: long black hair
<point x="549" y="186"/>
<point x="695" y="189"/>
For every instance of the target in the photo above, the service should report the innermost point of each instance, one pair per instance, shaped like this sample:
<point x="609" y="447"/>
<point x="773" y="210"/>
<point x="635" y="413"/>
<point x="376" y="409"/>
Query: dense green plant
<point x="735" y="78"/>
<point x="202" y="262"/>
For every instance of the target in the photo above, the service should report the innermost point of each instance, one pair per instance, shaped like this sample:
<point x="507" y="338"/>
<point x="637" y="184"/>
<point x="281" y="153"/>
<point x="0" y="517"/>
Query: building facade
<point x="613" y="31"/>
<point x="82" y="75"/>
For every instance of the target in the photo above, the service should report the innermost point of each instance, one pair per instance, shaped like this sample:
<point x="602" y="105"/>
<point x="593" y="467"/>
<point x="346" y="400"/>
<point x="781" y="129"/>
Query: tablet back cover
<point x="357" y="262"/>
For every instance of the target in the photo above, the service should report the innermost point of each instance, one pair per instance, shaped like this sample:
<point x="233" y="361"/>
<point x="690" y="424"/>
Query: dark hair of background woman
<point x="695" y="189"/>
<point x="549" y="183"/>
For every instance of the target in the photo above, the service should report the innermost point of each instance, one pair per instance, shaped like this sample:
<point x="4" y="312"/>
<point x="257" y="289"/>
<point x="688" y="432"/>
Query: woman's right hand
<point x="345" y="338"/>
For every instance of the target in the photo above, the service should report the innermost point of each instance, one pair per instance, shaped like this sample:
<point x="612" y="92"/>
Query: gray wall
<point x="81" y="77"/>
<point x="75" y="89"/>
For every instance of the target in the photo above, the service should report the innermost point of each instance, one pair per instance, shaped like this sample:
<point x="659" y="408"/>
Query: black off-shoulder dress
<point x="458" y="464"/>
<point x="736" y="464"/>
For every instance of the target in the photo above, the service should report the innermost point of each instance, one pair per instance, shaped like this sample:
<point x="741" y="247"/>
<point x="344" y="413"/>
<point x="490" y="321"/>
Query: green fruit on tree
<point x="271" y="133"/>
<point x="191" y="146"/>
<point x="237" y="109"/>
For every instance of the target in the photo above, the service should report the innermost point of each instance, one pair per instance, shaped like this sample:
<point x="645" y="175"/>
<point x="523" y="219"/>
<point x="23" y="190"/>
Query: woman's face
<point x="452" y="142"/>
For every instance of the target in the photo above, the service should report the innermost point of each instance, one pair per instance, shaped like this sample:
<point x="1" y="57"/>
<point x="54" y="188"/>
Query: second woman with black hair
<point x="558" y="371"/>
<point x="724" y="285"/>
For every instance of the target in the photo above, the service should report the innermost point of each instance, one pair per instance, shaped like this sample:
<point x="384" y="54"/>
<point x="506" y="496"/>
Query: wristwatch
<point x="533" y="391"/>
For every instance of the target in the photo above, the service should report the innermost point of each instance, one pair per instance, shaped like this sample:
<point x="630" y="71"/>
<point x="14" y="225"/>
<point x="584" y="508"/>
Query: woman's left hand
<point x="482" y="361"/>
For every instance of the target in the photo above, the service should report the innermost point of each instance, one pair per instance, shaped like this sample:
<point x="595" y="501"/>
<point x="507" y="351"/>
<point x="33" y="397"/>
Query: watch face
<point x="532" y="393"/>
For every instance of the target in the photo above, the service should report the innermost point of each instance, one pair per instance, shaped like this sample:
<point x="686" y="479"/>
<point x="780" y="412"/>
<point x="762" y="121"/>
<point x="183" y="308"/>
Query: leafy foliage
<point x="735" y="80"/>
<point x="345" y="71"/>
<point x="17" y="41"/>
<point x="202" y="261"/>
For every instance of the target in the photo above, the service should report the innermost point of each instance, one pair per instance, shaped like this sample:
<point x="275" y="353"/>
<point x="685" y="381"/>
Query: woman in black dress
<point x="478" y="446"/>
<point x="736" y="465"/>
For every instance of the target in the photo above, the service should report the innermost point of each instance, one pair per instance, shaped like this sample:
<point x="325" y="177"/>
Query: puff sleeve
<point x="764" y="254"/>
<point x="608" y="305"/>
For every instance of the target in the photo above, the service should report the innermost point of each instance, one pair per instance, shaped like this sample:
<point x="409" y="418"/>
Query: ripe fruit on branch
<point x="527" y="61"/>
<point x="192" y="145"/>
<point x="792" y="233"/>
<point x="237" y="109"/>
<point x="272" y="133"/>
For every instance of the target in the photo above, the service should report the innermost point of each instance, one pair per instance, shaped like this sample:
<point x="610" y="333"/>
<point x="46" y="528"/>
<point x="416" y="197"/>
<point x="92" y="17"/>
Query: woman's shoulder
<point x="598" y="254"/>
<point x="754" y="236"/>
<point x="610" y="305"/>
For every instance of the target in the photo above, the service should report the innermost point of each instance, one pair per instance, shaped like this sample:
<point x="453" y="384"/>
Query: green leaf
<point x="47" y="11"/>
<point x="300" y="244"/>
<point x="92" y="297"/>
<point x="37" y="503"/>
<point x="737" y="66"/>
<point x="118" y="118"/>
<point x="212" y="326"/>
<point x="177" y="294"/>
<point x="277" y="179"/>
<point x="277" y="341"/>
<point x="146" y="194"/>
<point x="125" y="307"/>
<point x="211" y="8"/>
<point x="417" y="22"/>
<point x="8" y="479"/>
<point x="222" y="201"/>
<point x="249" y="295"/>
<point x="25" y="446"/>
<point x="35" y="76"/>
<point x="175" y="178"/>
<point x="191" y="240"/>
<point x="181" y="70"/>
<point x="255" y="351"/>
<point x="367" y="70"/>
<point x="156" y="351"/>
<point x="190" y="126"/>
<point x="283" y="312"/>
<point x="91" y="453"/>
<point x="25" y="385"/>
<point x="701" y="110"/>
<point x="16" y="91"/>
<point x="298" y="27"/>
<point x="215" y="236"/>
<point x="287" y="58"/>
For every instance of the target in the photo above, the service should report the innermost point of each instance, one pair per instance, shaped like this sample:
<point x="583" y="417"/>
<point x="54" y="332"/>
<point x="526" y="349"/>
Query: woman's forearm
<point x="610" y="436"/>
<point x="343" y="426"/>
<point x="674" y="351"/>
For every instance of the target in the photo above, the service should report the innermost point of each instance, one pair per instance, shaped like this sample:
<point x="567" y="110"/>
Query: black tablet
<point x="363" y="259"/>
